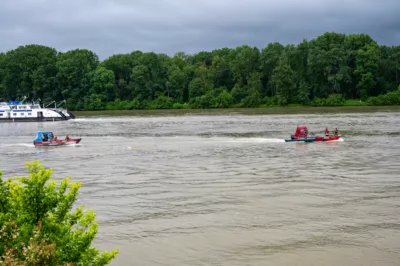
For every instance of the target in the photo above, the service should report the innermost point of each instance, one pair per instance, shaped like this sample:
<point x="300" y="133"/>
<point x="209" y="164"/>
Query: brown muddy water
<point x="226" y="189"/>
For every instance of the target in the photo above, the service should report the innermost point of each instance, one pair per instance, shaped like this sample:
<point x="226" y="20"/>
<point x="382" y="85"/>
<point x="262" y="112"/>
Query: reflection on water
<point x="227" y="190"/>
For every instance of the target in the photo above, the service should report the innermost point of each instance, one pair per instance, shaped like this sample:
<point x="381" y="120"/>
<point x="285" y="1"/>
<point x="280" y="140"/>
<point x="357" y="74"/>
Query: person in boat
<point x="336" y="132"/>
<point x="326" y="131"/>
<point x="67" y="138"/>
<point x="45" y="137"/>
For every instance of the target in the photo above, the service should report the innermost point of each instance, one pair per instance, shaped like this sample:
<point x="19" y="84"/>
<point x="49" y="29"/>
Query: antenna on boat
<point x="61" y="102"/>
<point x="49" y="104"/>
<point x="38" y="100"/>
<point x="23" y="99"/>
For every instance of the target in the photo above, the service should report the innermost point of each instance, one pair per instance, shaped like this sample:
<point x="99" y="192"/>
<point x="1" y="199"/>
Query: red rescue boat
<point x="302" y="133"/>
<point x="48" y="139"/>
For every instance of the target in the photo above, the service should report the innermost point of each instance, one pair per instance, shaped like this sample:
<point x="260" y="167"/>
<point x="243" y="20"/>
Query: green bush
<point x="390" y="98"/>
<point x="280" y="100"/>
<point x="251" y="100"/>
<point x="162" y="102"/>
<point x="354" y="103"/>
<point x="318" y="101"/>
<point x="332" y="100"/>
<point x="199" y="102"/>
<point x="223" y="100"/>
<point x="137" y="104"/>
<point x="238" y="93"/>
<point x="180" y="106"/>
<point x="118" y="105"/>
<point x="38" y="226"/>
<point x="94" y="102"/>
<point x="335" y="100"/>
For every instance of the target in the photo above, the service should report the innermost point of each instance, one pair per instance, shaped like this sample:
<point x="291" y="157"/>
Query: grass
<point x="354" y="103"/>
<point x="243" y="111"/>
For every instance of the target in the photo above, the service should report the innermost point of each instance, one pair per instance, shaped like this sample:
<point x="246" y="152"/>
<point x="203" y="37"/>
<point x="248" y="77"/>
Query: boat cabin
<point x="301" y="131"/>
<point x="44" y="136"/>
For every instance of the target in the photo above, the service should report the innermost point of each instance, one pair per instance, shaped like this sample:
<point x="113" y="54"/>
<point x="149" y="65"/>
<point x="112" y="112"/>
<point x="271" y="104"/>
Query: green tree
<point x="367" y="63"/>
<point x="177" y="83"/>
<point x="149" y="76"/>
<point x="221" y="73"/>
<point x="36" y="216"/>
<point x="254" y="88"/>
<point x="196" y="88"/>
<point x="74" y="75"/>
<point x="243" y="61"/>
<point x="104" y="83"/>
<point x="2" y="74"/>
<point x="269" y="59"/>
<point x="29" y="71"/>
<point x="353" y="44"/>
<point x="121" y="65"/>
<point x="328" y="70"/>
<point x="353" y="66"/>
<point x="283" y="78"/>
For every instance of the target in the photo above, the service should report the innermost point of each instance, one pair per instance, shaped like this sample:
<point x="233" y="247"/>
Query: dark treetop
<point x="325" y="71"/>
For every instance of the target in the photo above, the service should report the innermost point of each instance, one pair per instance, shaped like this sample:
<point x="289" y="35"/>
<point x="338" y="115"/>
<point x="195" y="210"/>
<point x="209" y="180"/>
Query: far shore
<point x="242" y="111"/>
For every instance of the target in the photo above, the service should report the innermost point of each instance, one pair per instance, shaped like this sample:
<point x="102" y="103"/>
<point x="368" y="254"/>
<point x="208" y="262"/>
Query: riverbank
<point x="243" y="111"/>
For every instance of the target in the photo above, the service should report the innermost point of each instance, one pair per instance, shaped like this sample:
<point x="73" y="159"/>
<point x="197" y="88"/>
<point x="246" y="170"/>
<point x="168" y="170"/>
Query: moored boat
<point x="18" y="111"/>
<point x="48" y="139"/>
<point x="58" y="109"/>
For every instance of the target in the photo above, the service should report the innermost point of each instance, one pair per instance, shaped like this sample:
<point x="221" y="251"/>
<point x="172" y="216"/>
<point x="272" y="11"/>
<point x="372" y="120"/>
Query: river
<point x="226" y="189"/>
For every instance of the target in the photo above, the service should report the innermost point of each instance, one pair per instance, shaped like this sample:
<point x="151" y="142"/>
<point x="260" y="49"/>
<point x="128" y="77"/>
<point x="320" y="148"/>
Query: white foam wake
<point x="256" y="140"/>
<point x="18" y="144"/>
<point x="341" y="139"/>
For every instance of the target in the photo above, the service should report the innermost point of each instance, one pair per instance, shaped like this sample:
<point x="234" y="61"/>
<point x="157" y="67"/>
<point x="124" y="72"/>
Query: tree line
<point x="332" y="69"/>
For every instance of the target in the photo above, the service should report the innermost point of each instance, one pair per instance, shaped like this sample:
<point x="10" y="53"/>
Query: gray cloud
<point x="121" y="26"/>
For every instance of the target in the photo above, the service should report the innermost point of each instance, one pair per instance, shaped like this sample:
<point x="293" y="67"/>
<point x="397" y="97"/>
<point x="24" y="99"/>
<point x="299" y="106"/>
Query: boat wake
<point x="33" y="146"/>
<point x="255" y="140"/>
<point x="18" y="144"/>
<point x="73" y="145"/>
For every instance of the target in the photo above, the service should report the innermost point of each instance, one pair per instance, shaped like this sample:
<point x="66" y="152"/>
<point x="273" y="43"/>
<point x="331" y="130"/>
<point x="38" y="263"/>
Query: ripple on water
<point x="227" y="190"/>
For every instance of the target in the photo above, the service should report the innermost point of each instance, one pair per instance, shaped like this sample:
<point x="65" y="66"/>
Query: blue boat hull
<point x="301" y="140"/>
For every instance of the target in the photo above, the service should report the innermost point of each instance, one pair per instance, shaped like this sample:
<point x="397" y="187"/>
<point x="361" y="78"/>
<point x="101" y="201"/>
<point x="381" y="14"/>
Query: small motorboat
<point x="48" y="139"/>
<point x="301" y="134"/>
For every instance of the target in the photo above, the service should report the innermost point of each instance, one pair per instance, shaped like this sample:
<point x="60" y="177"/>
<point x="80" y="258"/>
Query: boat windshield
<point x="4" y="106"/>
<point x="301" y="131"/>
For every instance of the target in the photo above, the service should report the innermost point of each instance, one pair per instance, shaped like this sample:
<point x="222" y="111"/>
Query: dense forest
<point x="333" y="69"/>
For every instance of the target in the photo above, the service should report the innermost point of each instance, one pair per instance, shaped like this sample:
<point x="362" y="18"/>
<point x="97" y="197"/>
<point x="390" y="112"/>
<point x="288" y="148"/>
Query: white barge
<point x="17" y="111"/>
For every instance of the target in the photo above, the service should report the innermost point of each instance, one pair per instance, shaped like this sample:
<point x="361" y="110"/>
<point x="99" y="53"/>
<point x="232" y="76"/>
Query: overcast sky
<point x="167" y="26"/>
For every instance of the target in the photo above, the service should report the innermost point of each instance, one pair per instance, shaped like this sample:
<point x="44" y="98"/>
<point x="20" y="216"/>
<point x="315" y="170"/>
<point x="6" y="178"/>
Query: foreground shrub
<point x="38" y="226"/>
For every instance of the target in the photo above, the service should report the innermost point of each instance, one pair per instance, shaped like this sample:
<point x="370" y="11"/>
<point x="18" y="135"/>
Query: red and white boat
<point x="48" y="139"/>
<point x="302" y="134"/>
